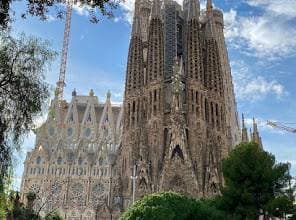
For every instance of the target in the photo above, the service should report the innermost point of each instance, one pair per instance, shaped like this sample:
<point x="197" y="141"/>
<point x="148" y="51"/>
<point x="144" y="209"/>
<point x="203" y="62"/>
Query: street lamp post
<point x="134" y="178"/>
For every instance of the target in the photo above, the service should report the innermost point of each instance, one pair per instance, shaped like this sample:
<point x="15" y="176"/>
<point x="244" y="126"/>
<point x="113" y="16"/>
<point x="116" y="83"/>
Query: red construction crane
<point x="61" y="82"/>
<point x="282" y="126"/>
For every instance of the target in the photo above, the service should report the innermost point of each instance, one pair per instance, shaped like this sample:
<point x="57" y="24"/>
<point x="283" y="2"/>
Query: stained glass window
<point x="76" y="193"/>
<point x="59" y="161"/>
<point x="51" y="131"/>
<point x="80" y="161"/>
<point x="71" y="156"/>
<point x="56" y="188"/>
<point x="38" y="160"/>
<point x="87" y="132"/>
<point x="97" y="192"/>
<point x="88" y="118"/>
<point x="101" y="161"/>
<point x="35" y="188"/>
<point x="70" y="131"/>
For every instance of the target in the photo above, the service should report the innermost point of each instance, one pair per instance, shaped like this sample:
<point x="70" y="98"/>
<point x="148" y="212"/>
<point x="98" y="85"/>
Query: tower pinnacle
<point x="156" y="7"/>
<point x="209" y="7"/>
<point x="245" y="137"/>
<point x="243" y="121"/>
<point x="136" y="30"/>
<point x="194" y="8"/>
<point x="255" y="136"/>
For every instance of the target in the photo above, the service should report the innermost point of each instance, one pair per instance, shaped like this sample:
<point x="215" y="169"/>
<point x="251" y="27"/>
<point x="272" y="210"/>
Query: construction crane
<point x="61" y="82"/>
<point x="282" y="126"/>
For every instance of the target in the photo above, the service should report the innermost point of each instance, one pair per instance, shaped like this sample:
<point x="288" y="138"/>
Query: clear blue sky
<point x="262" y="49"/>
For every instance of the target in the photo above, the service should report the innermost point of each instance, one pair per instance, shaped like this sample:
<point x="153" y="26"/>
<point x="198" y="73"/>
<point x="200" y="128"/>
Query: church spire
<point x="136" y="30"/>
<point x="245" y="137"/>
<point x="134" y="79"/>
<point x="209" y="7"/>
<point x="255" y="127"/>
<point x="194" y="8"/>
<point x="255" y="135"/>
<point x="156" y="7"/>
<point x="136" y="27"/>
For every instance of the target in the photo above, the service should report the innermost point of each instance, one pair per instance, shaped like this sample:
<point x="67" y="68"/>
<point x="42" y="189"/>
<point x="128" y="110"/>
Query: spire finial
<point x="91" y="92"/>
<point x="136" y="29"/>
<point x="243" y="120"/>
<point x="56" y="93"/>
<point x="194" y="9"/>
<point x="255" y="129"/>
<point x="245" y="136"/>
<point x="108" y="94"/>
<point x="74" y="93"/>
<point x="155" y="13"/>
<point x="209" y="6"/>
<point x="256" y="135"/>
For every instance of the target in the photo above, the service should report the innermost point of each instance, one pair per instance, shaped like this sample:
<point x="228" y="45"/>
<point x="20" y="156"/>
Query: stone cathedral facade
<point x="177" y="122"/>
<point x="70" y="168"/>
<point x="180" y="117"/>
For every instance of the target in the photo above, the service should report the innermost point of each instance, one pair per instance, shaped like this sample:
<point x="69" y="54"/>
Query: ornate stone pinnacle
<point x="74" y="93"/>
<point x="108" y="94"/>
<point x="91" y="92"/>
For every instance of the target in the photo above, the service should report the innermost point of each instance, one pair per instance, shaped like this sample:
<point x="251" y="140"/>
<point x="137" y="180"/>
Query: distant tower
<point x="245" y="138"/>
<point x="255" y="135"/>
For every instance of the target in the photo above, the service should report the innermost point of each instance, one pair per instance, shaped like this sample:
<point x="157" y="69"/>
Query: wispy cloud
<point x="279" y="7"/>
<point x="269" y="35"/>
<point x="251" y="87"/>
<point x="128" y="8"/>
<point x="81" y="10"/>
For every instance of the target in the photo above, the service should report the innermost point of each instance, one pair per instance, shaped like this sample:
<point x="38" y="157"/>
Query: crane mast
<point x="61" y="82"/>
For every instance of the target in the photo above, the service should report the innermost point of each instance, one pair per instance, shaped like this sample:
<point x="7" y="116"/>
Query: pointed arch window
<point x="87" y="132"/>
<point x="38" y="160"/>
<point x="71" y="118"/>
<point x="88" y="117"/>
<point x="177" y="152"/>
<point x="59" y="161"/>
<point x="80" y="161"/>
<point x="101" y="161"/>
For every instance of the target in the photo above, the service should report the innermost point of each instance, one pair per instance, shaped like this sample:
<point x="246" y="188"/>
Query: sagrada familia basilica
<point x="178" y="120"/>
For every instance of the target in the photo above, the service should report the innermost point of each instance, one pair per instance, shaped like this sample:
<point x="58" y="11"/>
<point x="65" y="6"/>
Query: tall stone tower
<point x="180" y="117"/>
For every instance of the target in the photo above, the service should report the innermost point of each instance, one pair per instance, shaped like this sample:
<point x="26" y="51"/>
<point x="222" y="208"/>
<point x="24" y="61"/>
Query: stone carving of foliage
<point x="56" y="189"/>
<point x="97" y="192"/>
<point x="35" y="188"/>
<point x="77" y="194"/>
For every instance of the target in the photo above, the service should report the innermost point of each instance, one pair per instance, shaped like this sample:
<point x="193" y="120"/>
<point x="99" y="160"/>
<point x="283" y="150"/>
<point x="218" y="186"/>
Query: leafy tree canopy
<point x="44" y="8"/>
<point x="23" y="91"/>
<point x="171" y="206"/>
<point x="17" y="210"/>
<point x="253" y="180"/>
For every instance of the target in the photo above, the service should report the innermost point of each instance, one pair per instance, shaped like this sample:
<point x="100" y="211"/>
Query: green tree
<point x="18" y="210"/>
<point x="253" y="180"/>
<point x="172" y="206"/>
<point x="280" y="206"/>
<point x="53" y="216"/>
<point x="44" y="9"/>
<point x="23" y="92"/>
